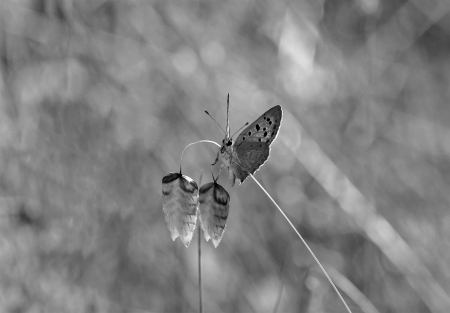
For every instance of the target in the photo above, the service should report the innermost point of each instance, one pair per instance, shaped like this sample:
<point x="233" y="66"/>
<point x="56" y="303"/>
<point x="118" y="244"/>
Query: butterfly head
<point x="226" y="143"/>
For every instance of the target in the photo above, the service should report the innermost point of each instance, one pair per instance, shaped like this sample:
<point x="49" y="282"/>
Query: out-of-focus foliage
<point x="99" y="98"/>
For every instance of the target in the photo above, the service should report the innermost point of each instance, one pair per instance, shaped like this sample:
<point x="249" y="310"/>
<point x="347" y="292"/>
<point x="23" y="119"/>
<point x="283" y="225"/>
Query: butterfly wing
<point x="250" y="158"/>
<point x="252" y="146"/>
<point x="236" y="171"/>
<point x="264" y="129"/>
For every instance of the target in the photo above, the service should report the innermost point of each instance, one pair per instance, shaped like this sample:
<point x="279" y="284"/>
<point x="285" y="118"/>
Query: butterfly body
<point x="230" y="161"/>
<point x="252" y="147"/>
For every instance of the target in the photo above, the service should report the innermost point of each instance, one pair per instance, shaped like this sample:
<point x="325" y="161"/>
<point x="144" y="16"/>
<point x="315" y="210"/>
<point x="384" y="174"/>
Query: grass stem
<point x="200" y="280"/>
<point x="304" y="242"/>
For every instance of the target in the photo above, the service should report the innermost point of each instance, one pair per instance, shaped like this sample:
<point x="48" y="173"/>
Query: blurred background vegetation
<point x="98" y="98"/>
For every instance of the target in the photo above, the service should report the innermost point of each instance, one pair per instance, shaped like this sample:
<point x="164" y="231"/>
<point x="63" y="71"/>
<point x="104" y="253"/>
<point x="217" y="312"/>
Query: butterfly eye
<point x="229" y="143"/>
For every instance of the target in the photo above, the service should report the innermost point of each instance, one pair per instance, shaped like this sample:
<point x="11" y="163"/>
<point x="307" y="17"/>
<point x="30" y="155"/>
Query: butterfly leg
<point x="217" y="158"/>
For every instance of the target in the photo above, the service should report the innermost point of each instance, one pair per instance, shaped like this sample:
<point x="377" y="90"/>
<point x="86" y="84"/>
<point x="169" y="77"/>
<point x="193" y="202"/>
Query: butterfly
<point x="252" y="147"/>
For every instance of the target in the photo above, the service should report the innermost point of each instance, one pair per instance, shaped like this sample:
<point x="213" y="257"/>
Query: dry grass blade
<point x="305" y="243"/>
<point x="375" y="226"/>
<point x="180" y="205"/>
<point x="214" y="205"/>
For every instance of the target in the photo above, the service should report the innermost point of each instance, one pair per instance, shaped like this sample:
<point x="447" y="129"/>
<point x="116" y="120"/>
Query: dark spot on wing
<point x="249" y="133"/>
<point x="257" y="127"/>
<point x="264" y="129"/>
<point x="265" y="134"/>
<point x="259" y="139"/>
<point x="243" y="138"/>
<point x="270" y="123"/>
<point x="264" y="117"/>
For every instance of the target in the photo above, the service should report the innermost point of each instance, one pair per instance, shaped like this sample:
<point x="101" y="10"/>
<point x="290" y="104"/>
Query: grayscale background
<point x="98" y="98"/>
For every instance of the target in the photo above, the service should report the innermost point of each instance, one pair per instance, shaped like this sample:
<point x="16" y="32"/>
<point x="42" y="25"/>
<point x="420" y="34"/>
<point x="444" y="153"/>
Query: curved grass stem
<point x="193" y="143"/>
<point x="304" y="242"/>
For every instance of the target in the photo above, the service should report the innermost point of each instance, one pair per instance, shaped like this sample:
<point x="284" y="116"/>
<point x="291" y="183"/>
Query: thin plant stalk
<point x="200" y="280"/>
<point x="289" y="222"/>
<point x="193" y="143"/>
<point x="304" y="242"/>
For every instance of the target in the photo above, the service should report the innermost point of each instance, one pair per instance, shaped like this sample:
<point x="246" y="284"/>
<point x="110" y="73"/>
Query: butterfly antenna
<point x="239" y="129"/>
<point x="214" y="121"/>
<point x="228" y="123"/>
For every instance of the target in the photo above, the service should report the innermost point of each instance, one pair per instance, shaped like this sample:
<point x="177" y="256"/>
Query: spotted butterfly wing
<point x="252" y="147"/>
